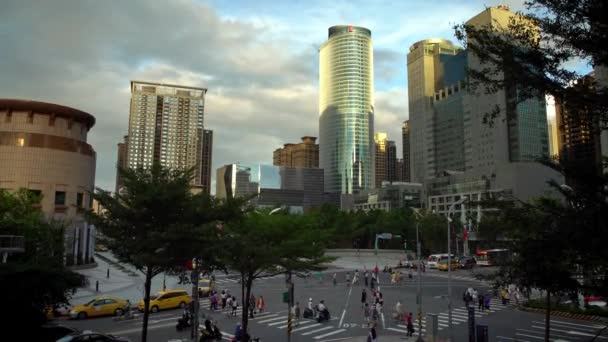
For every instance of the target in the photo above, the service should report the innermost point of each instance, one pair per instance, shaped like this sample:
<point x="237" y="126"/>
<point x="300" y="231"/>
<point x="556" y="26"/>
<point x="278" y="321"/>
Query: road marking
<point x="337" y="339"/>
<point x="552" y="335"/>
<point x="512" y="339"/>
<point x="270" y="320"/>
<point x="342" y="319"/>
<point x="350" y="290"/>
<point x="579" y="325"/>
<point x="264" y="315"/>
<point x="160" y="320"/>
<point x="397" y="330"/>
<point x="129" y="331"/>
<point x="307" y="327"/>
<point x="536" y="337"/>
<point x="293" y="323"/>
<point x="571" y="332"/>
<point x="277" y="323"/>
<point x="383" y="324"/>
<point x="329" y="334"/>
<point x="314" y="331"/>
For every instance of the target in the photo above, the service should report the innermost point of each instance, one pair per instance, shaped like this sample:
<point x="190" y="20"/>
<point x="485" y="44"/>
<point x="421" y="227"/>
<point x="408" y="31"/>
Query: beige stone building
<point x="304" y="154"/>
<point x="43" y="148"/>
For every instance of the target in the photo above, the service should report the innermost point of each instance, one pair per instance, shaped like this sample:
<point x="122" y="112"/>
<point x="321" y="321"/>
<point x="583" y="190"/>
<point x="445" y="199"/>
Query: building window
<point x="35" y="193"/>
<point x="59" y="197"/>
<point x="79" y="198"/>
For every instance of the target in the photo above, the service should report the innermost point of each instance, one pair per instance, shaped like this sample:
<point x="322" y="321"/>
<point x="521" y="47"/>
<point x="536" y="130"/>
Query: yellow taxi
<point x="442" y="265"/>
<point x="169" y="299"/>
<point x="101" y="306"/>
<point x="205" y="286"/>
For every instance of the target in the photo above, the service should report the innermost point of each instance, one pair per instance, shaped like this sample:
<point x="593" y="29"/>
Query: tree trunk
<point x="246" y="314"/>
<point x="148" y="283"/>
<point x="548" y="317"/>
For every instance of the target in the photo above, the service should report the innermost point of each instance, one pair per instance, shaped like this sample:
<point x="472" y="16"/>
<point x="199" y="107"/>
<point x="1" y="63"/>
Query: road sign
<point x="286" y="297"/>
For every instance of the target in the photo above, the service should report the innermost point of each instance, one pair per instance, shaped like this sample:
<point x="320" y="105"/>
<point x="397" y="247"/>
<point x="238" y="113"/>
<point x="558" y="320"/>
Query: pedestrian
<point x="371" y="337"/>
<point x="363" y="298"/>
<point x="251" y="305"/>
<point x="261" y="304"/>
<point x="223" y="296"/>
<point x="365" y="276"/>
<point x="212" y="302"/>
<point x="334" y="278"/>
<point x="108" y="274"/>
<point x="356" y="279"/>
<point x="376" y="270"/>
<point x="473" y="296"/>
<point x="235" y="305"/>
<point x="503" y="296"/>
<point x="229" y="302"/>
<point x="394" y="277"/>
<point x="296" y="313"/>
<point x="486" y="299"/>
<point x="371" y="284"/>
<point x="96" y="285"/>
<point x="366" y="313"/>
<point x="480" y="301"/>
<point x="410" y="324"/>
<point x="238" y="333"/>
<point x="347" y="279"/>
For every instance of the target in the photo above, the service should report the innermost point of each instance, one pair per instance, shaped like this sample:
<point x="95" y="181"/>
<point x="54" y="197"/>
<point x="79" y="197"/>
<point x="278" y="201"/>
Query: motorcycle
<point x="308" y="313"/>
<point x="322" y="315"/>
<point x="183" y="323"/>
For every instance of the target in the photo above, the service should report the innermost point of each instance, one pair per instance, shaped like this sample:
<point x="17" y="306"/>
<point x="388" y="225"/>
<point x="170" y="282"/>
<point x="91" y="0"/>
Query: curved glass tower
<point x="346" y="109"/>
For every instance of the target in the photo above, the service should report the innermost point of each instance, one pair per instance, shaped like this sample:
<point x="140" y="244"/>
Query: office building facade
<point x="166" y="127"/>
<point x="380" y="158"/>
<point x="304" y="154"/>
<point x="405" y="138"/>
<point x="301" y="189"/>
<point x="391" y="161"/>
<point x="346" y="109"/>
<point x="206" y="160"/>
<point x="44" y="149"/>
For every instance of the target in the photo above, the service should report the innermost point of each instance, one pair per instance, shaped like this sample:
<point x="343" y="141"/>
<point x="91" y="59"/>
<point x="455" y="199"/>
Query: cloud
<point x="390" y="111"/>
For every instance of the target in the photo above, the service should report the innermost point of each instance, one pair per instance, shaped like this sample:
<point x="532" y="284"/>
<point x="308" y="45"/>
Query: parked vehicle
<point x="442" y="265"/>
<point x="492" y="257"/>
<point x="101" y="306"/>
<point x="467" y="262"/>
<point x="169" y="299"/>
<point x="89" y="335"/>
<point x="205" y="286"/>
<point x="53" y="332"/>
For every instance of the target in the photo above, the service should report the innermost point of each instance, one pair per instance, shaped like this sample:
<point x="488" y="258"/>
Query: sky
<point x="258" y="60"/>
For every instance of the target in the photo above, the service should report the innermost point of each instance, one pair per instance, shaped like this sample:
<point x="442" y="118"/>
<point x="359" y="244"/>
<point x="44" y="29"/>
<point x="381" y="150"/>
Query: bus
<point x="492" y="257"/>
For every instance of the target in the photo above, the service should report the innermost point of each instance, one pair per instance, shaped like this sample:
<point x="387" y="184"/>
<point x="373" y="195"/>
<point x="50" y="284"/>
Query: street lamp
<point x="451" y="331"/>
<point x="419" y="289"/>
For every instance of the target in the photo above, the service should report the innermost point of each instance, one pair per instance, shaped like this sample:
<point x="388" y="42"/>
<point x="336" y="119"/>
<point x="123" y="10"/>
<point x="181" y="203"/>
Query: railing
<point x="12" y="243"/>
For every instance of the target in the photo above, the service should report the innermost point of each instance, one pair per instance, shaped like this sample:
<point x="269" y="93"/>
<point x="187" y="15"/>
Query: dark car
<point x="91" y="336"/>
<point x="466" y="262"/>
<point x="53" y="332"/>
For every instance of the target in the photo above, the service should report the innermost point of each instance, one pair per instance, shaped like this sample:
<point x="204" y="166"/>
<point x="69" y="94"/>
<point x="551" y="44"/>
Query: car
<point x="100" y="306"/>
<point x="92" y="336"/>
<point x="466" y="262"/>
<point x="205" y="286"/>
<point x="595" y="301"/>
<point x="442" y="265"/>
<point x="169" y="299"/>
<point x="53" y="332"/>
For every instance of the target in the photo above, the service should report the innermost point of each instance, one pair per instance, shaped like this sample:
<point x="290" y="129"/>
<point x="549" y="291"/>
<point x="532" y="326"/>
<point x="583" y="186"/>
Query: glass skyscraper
<point x="346" y="109"/>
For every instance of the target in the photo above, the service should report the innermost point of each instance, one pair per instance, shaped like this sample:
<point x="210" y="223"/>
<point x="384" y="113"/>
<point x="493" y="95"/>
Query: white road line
<point x="329" y="334"/>
<point x="277" y="323"/>
<point x="397" y="330"/>
<point x="543" y="332"/>
<point x="345" y="306"/>
<point x="264" y="315"/>
<point x="337" y="339"/>
<point x="568" y="323"/>
<point x="383" y="324"/>
<point x="270" y="320"/>
<point x="293" y="323"/>
<point x="307" y="327"/>
<point x="314" y="331"/>
<point x="512" y="339"/>
<point x="342" y="318"/>
<point x="536" y="337"/>
<point x="570" y="332"/>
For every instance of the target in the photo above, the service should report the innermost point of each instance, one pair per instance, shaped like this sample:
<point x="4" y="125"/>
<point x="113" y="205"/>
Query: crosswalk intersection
<point x="562" y="330"/>
<point x="460" y="315"/>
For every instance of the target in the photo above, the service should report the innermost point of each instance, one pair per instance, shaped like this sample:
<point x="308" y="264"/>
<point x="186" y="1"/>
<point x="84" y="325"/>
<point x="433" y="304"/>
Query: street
<point x="347" y="322"/>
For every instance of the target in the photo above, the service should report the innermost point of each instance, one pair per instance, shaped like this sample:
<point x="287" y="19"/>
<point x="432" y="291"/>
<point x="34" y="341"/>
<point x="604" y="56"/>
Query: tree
<point x="41" y="263"/>
<point x="433" y="233"/>
<point x="260" y="244"/>
<point x="156" y="223"/>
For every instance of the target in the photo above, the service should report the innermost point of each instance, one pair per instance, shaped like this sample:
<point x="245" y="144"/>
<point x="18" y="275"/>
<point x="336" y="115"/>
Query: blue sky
<point x="259" y="60"/>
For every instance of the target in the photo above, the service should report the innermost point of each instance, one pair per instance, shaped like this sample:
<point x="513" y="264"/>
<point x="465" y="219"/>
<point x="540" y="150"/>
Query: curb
<point x="569" y="315"/>
<point x="82" y="267"/>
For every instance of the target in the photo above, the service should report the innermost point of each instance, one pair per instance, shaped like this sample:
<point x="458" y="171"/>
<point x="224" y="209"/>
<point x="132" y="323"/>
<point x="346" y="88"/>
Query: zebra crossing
<point x="454" y="276"/>
<point x="561" y="329"/>
<point x="236" y="280"/>
<point x="460" y="315"/>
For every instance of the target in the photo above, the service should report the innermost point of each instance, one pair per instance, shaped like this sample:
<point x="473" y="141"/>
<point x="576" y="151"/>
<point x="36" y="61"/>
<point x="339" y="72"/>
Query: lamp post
<point x="451" y="331"/>
<point x="419" y="285"/>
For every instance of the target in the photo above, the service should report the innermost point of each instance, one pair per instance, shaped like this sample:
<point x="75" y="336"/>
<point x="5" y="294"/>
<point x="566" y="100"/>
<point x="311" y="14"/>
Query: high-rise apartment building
<point x="166" y="126"/>
<point x="391" y="161"/>
<point x="206" y="160"/>
<point x="304" y="154"/>
<point x="429" y="70"/>
<point x="346" y="109"/>
<point x="553" y="133"/>
<point x="405" y="137"/>
<point x="399" y="170"/>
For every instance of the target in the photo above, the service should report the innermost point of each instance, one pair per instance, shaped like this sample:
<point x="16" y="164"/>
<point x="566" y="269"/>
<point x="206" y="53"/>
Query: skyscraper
<point x="428" y="71"/>
<point x="346" y="109"/>
<point x="304" y="154"/>
<point x="121" y="160"/>
<point x="166" y="126"/>
<point x="380" y="158"/>
<point x="206" y="160"/>
<point x="391" y="161"/>
<point x="405" y="136"/>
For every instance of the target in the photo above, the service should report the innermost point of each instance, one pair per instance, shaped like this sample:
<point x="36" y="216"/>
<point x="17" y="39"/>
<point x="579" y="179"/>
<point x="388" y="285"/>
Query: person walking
<point x="503" y="296"/>
<point x="251" y="306"/>
<point x="347" y="279"/>
<point x="486" y="301"/>
<point x="371" y="337"/>
<point x="261" y="304"/>
<point x="372" y="282"/>
<point x="356" y="278"/>
<point x="480" y="305"/>
<point x="223" y="296"/>
<point x="334" y="278"/>
<point x="366" y="313"/>
<point x="365" y="276"/>
<point x="235" y="305"/>
<point x="363" y="298"/>
<point x="410" y="324"/>
<point x="229" y="302"/>
<point x="296" y="313"/>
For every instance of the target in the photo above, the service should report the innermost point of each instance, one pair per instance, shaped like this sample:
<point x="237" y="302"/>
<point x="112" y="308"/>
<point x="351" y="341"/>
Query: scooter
<point x="322" y="315"/>
<point x="308" y="313"/>
<point x="183" y="323"/>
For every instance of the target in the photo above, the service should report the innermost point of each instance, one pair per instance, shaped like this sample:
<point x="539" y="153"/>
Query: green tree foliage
<point x="36" y="279"/>
<point x="156" y="223"/>
<point x="258" y="244"/>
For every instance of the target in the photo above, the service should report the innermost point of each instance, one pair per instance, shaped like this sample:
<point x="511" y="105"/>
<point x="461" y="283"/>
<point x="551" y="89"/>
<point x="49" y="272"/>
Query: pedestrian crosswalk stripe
<point x="397" y="330"/>
<point x="272" y="319"/>
<point x="294" y="324"/>
<point x="277" y="323"/>
<point x="329" y="334"/>
<point x="315" y="331"/>
<point x="306" y="327"/>
<point x="263" y="315"/>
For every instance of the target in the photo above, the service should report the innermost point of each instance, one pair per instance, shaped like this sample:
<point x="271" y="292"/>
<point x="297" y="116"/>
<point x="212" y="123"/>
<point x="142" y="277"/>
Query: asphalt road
<point x="347" y="323"/>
